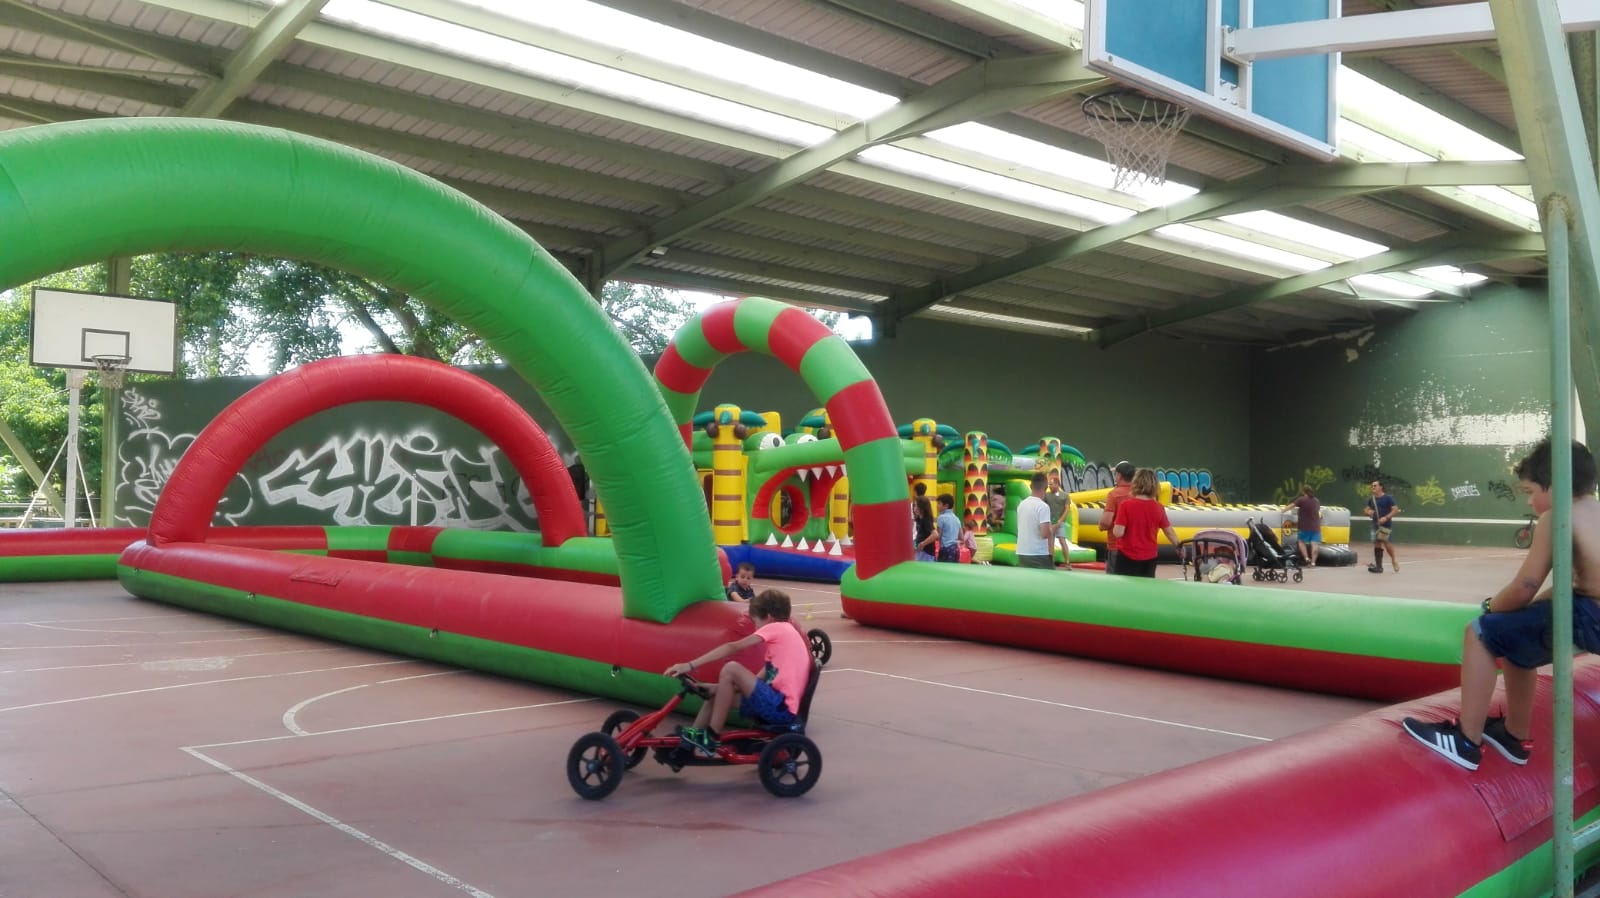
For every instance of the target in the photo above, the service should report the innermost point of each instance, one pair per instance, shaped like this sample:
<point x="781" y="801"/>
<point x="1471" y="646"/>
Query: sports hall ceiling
<point x="619" y="183"/>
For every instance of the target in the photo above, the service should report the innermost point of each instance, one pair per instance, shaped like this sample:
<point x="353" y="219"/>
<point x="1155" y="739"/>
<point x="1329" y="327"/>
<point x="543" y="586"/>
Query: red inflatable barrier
<point x="1356" y="809"/>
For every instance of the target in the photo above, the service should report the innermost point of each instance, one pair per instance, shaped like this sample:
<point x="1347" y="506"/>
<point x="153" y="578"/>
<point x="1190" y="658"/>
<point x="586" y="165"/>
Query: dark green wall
<point x="1130" y="401"/>
<point x="1137" y="400"/>
<point x="1438" y="404"/>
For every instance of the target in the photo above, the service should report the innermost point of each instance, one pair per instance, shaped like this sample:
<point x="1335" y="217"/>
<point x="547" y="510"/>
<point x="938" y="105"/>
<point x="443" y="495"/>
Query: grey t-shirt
<point x="1057" y="501"/>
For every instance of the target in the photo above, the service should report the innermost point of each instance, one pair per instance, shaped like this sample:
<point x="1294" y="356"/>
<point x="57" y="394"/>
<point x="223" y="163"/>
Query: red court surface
<point x="147" y="750"/>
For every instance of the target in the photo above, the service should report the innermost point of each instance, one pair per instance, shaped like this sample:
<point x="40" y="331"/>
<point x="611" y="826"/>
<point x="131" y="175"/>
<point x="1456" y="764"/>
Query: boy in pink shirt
<point x="774" y="696"/>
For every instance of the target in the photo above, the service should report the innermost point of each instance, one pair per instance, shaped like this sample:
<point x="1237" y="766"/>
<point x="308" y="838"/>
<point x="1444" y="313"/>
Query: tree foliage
<point x="239" y="314"/>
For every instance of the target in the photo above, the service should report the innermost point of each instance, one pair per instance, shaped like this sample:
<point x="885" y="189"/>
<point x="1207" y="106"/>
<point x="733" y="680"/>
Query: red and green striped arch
<point x="840" y="382"/>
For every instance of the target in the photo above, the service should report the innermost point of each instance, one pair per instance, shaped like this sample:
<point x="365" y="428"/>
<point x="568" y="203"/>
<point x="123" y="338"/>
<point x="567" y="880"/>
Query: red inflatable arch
<point x="184" y="511"/>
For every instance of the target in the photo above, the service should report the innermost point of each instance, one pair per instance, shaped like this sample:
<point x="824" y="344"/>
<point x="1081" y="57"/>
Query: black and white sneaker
<point x="1515" y="750"/>
<point x="1445" y="739"/>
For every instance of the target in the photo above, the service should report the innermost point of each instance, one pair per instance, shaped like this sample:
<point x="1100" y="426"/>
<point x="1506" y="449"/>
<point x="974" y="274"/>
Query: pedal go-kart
<point x="787" y="761"/>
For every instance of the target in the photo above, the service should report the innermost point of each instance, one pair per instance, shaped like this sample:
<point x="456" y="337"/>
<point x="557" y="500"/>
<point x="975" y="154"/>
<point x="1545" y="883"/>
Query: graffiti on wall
<point x="357" y="477"/>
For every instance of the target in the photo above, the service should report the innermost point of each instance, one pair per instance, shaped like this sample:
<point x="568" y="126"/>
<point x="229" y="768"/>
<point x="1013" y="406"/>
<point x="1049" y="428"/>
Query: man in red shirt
<point x="1123" y="474"/>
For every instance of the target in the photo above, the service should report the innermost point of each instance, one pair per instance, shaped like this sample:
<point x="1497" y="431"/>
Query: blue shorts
<point x="1523" y="637"/>
<point x="766" y="705"/>
<point x="1310" y="536"/>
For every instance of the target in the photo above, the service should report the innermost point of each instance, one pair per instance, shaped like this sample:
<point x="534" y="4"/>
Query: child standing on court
<point x="1516" y="623"/>
<point x="774" y="696"/>
<point x="742" y="587"/>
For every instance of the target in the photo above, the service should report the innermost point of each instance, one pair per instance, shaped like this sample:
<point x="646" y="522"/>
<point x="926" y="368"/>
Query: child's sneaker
<point x="1445" y="739"/>
<point x="1515" y="750"/>
<point x="700" y="740"/>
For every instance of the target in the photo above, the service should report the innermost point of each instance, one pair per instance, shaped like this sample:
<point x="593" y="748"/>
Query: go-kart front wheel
<point x="615" y="724"/>
<point x="595" y="766"/>
<point x="790" y="765"/>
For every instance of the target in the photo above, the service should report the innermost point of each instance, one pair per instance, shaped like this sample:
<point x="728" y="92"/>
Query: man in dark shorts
<point x="1516" y="624"/>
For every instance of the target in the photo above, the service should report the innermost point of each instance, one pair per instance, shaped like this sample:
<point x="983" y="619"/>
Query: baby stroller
<point x="1218" y="556"/>
<point x="1269" y="559"/>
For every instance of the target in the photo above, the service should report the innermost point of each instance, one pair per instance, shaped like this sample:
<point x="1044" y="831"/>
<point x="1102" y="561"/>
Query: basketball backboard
<point x="1175" y="50"/>
<point x="70" y="329"/>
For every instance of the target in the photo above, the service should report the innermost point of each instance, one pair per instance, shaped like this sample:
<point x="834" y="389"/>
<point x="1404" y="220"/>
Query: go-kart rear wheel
<point x="790" y="765"/>
<point x="595" y="766"/>
<point x="821" y="646"/>
<point x="616" y="723"/>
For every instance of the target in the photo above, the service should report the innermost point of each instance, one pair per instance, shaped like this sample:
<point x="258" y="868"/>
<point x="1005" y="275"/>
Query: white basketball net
<point x="1138" y="133"/>
<point x="112" y="369"/>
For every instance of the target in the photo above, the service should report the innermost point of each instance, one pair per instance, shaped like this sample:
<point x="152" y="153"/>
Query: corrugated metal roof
<point x="582" y="169"/>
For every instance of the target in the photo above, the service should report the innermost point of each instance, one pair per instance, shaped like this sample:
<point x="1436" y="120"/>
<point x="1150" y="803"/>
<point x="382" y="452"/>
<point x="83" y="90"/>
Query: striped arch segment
<point x="840" y="382"/>
<point x="184" y="511"/>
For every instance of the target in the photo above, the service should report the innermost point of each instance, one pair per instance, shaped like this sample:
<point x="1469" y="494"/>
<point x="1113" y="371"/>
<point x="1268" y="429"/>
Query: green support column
<point x="1563" y="847"/>
<point x="1549" y="115"/>
<point x="1545" y="96"/>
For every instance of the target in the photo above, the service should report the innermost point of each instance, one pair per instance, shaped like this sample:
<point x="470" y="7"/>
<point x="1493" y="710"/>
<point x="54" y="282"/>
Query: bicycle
<point x="1524" y="535"/>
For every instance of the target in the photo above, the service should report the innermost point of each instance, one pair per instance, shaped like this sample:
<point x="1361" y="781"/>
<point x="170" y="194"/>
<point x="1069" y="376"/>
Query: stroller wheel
<point x="1256" y="575"/>
<point x="1299" y="575"/>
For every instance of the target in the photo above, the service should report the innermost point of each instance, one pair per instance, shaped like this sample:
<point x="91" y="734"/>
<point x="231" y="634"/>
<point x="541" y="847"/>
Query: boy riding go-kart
<point x="778" y="700"/>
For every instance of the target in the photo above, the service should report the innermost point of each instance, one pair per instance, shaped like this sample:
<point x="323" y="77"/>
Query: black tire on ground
<point x="790" y="765"/>
<point x="595" y="766"/>
<point x="616" y="723"/>
<point x="1335" y="556"/>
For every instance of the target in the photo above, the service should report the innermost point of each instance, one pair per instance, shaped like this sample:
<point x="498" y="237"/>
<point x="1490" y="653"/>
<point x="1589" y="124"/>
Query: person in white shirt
<point x="1035" y="530"/>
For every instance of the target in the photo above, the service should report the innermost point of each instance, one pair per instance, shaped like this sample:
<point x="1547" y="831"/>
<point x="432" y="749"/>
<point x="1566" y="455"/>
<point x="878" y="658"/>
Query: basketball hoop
<point x="1138" y="132"/>
<point x="112" y="369"/>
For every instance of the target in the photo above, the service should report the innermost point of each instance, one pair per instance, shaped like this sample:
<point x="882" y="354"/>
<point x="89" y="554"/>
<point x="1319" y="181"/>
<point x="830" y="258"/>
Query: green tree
<point x="646" y="315"/>
<point x="33" y="401"/>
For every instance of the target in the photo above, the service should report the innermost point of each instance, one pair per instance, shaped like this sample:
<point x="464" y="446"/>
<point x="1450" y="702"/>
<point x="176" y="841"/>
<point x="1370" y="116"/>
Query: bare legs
<point x="734" y="681"/>
<point x="1388" y="546"/>
<point x="1477" y="689"/>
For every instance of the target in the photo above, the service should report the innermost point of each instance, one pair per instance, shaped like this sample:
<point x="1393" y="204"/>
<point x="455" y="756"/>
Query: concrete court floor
<point x="147" y="750"/>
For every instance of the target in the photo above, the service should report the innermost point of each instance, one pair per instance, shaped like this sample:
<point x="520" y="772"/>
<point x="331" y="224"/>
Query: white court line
<point x="1466" y="558"/>
<point x="347" y="829"/>
<point x="140" y="645"/>
<point x="289" y="715"/>
<point x="40" y="626"/>
<point x="1040" y="701"/>
<point x="86" y="620"/>
<point x="164" y="661"/>
<point x="395" y="723"/>
<point x="290" y="724"/>
<point x="292" y="673"/>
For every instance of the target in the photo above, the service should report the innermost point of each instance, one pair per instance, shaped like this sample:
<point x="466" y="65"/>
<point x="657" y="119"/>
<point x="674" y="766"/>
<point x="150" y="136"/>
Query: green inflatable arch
<point x="82" y="192"/>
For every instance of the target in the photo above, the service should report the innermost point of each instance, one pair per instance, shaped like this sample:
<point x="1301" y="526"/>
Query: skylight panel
<point x="1450" y="274"/>
<point x="1244" y="249"/>
<point x="1014" y="321"/>
<point x="1403" y="115"/>
<point x="992" y="184"/>
<point x="1306" y="234"/>
<point x="1505" y="199"/>
<point x="1039" y="156"/>
<point x="1067" y="12"/>
<point x="520" y="57"/>
<point x="1387" y="287"/>
<point x="604" y="25"/>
